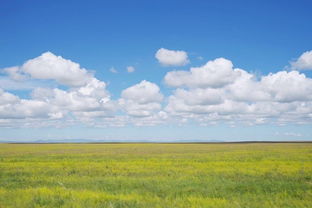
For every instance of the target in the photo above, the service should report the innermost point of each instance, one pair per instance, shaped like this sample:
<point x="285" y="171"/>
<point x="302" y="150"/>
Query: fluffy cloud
<point x="304" y="62"/>
<point x="12" y="107"/>
<point x="287" y="86"/>
<point x="282" y="86"/>
<point x="171" y="58"/>
<point x="213" y="93"/>
<point x="219" y="92"/>
<point x="200" y="96"/>
<point x="55" y="103"/>
<point x="142" y="99"/>
<point x="144" y="92"/>
<point x="7" y="98"/>
<point x="86" y="96"/>
<point x="15" y="73"/>
<point x="216" y="73"/>
<point x="51" y="67"/>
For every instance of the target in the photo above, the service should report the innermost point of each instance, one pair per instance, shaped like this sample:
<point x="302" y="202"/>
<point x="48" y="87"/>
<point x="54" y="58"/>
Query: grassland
<point x="156" y="175"/>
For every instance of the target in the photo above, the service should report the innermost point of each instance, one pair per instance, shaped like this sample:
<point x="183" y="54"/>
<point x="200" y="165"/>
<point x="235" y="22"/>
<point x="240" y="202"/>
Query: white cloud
<point x="200" y="96"/>
<point x="92" y="97"/>
<point x="7" y="98"/>
<point x="241" y="89"/>
<point x="12" y="107"/>
<point x="57" y="103"/>
<point x="219" y="92"/>
<point x="171" y="58"/>
<point x="159" y="117"/>
<point x="304" y="62"/>
<point x="15" y="73"/>
<point x="50" y="66"/>
<point x="142" y="99"/>
<point x="281" y="86"/>
<point x="9" y="84"/>
<point x="213" y="93"/>
<point x="130" y="69"/>
<point x="139" y="110"/>
<point x="85" y="95"/>
<point x="216" y="73"/>
<point x="287" y="86"/>
<point x="144" y="92"/>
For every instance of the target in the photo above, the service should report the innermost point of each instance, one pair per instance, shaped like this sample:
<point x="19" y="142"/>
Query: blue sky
<point x="258" y="37"/>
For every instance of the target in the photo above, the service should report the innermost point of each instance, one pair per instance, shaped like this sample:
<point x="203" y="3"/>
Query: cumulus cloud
<point x="50" y="66"/>
<point x="9" y="84"/>
<point x="219" y="92"/>
<point x="216" y="92"/>
<point x="171" y="57"/>
<point x="130" y="69"/>
<point x="57" y="104"/>
<point x="86" y="96"/>
<point x="216" y="73"/>
<point x="15" y="73"/>
<point x="144" y="92"/>
<point x="287" y="86"/>
<point x="12" y="107"/>
<point x="7" y="98"/>
<point x="200" y="96"/>
<point x="142" y="99"/>
<point x="304" y="62"/>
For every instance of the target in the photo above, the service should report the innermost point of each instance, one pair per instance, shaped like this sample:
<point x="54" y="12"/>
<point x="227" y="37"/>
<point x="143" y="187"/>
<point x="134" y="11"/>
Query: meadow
<point x="156" y="175"/>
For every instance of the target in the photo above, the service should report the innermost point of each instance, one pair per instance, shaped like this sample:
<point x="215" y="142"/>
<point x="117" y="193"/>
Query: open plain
<point x="156" y="175"/>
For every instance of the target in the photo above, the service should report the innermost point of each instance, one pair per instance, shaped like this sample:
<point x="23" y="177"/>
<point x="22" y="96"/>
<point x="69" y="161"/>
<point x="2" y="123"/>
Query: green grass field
<point x="156" y="175"/>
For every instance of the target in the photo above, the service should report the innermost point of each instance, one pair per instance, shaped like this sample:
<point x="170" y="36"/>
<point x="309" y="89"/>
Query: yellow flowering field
<point x="225" y="175"/>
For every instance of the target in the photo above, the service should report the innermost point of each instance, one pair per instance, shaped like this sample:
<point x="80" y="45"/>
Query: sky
<point x="155" y="70"/>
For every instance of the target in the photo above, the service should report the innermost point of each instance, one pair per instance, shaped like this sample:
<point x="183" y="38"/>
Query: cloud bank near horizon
<point x="214" y="93"/>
